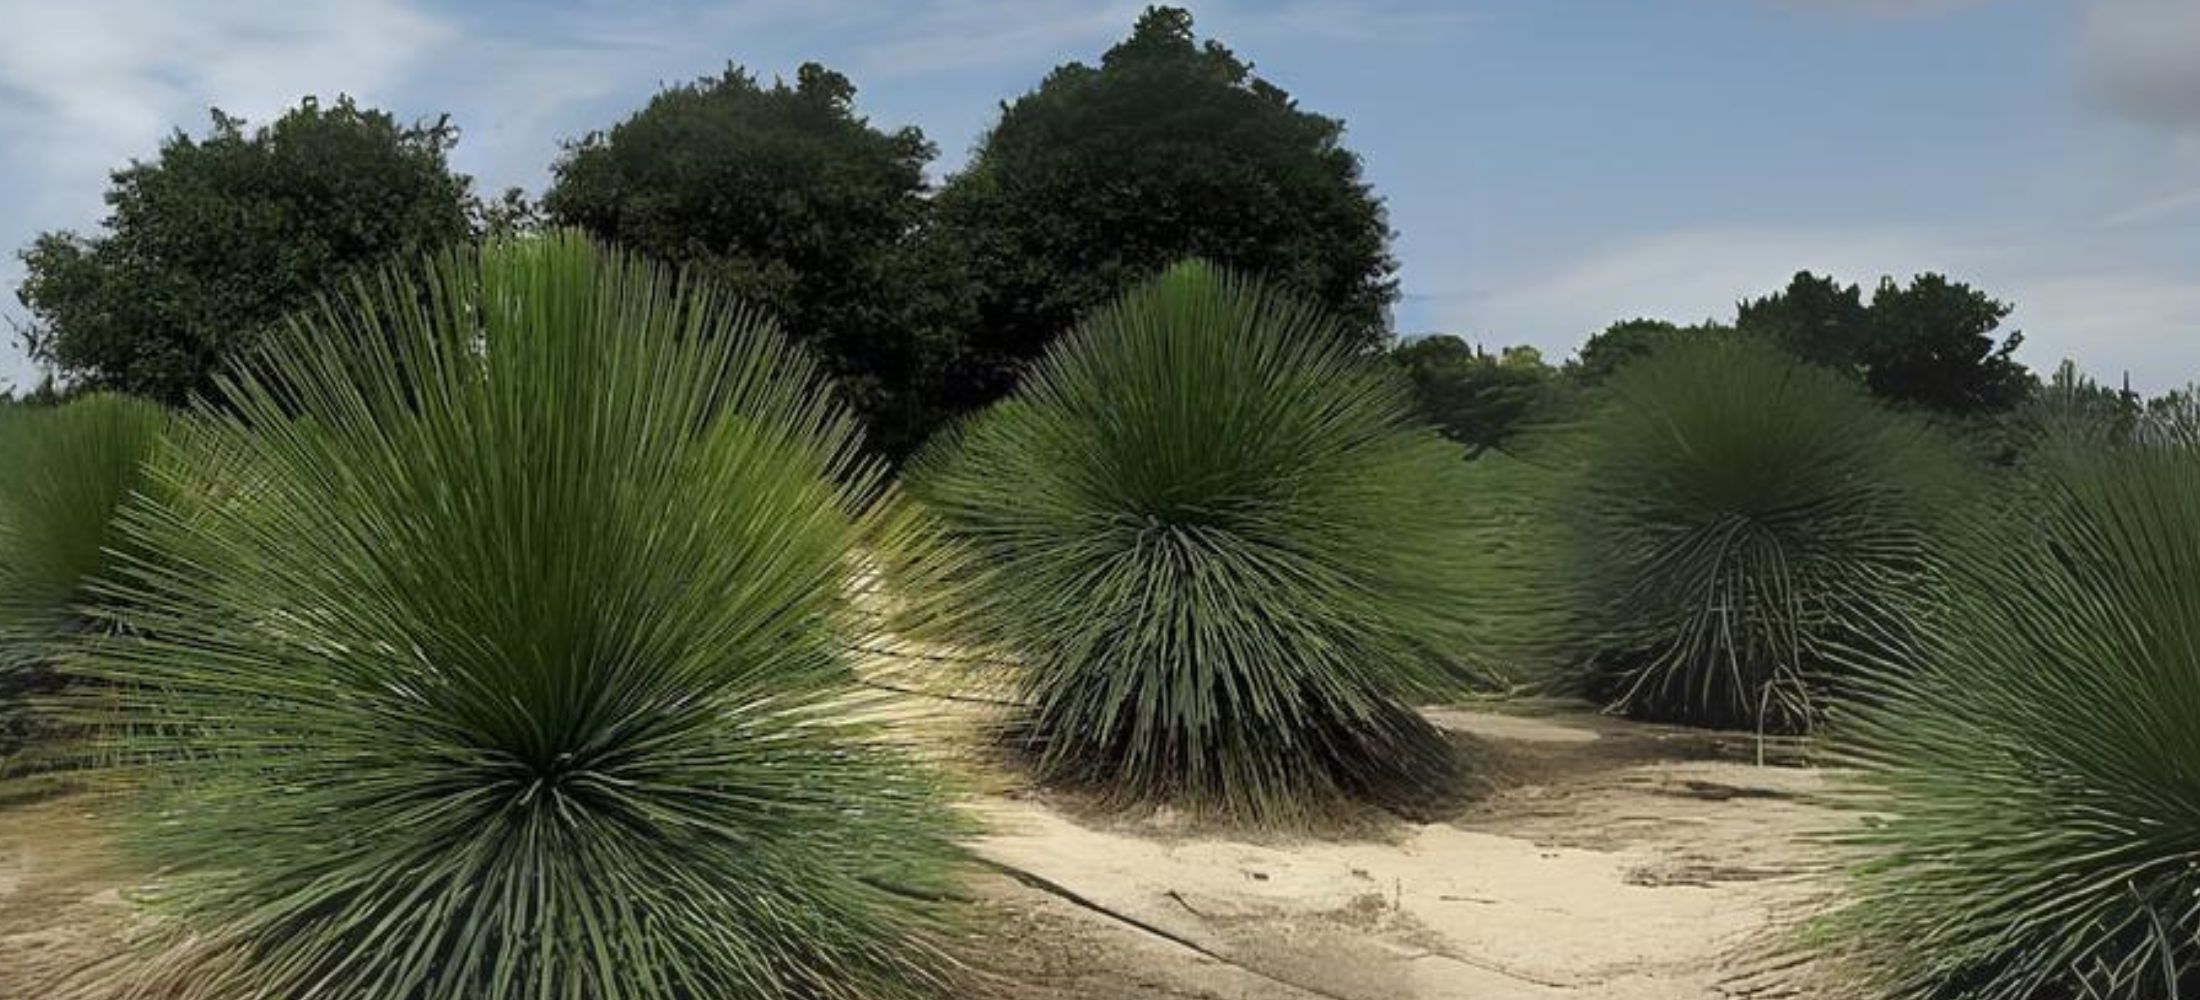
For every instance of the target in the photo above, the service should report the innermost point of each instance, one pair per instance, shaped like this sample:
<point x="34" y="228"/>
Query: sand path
<point x="1616" y="861"/>
<point x="1612" y="860"/>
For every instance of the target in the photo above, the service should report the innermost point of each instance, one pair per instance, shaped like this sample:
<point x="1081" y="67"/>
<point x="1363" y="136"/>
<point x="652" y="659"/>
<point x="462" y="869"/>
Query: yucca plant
<point x="1219" y="554"/>
<point x="1727" y="525"/>
<point x="504" y="656"/>
<point x="2035" y="783"/>
<point x="64" y="471"/>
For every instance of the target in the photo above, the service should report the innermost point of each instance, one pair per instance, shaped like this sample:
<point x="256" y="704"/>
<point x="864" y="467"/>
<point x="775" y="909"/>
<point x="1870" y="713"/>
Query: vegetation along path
<point x="1607" y="859"/>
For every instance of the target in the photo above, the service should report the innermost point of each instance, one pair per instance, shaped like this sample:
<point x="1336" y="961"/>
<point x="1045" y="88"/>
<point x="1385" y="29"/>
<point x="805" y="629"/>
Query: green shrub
<point x="504" y="655"/>
<point x="63" y="473"/>
<point x="1219" y="553"/>
<point x="1728" y="525"/>
<point x="2037" y="779"/>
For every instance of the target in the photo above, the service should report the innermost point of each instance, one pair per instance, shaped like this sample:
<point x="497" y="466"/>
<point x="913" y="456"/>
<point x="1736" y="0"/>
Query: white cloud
<point x="86" y="86"/>
<point x="2141" y="58"/>
<point x="2165" y="208"/>
<point x="94" y="82"/>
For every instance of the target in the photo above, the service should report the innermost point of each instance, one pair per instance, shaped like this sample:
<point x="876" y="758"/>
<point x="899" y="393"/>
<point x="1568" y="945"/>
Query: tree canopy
<point x="795" y="201"/>
<point x="1929" y="345"/>
<point x="219" y="236"/>
<point x="1473" y="397"/>
<point x="1606" y="351"/>
<point x="1169" y="149"/>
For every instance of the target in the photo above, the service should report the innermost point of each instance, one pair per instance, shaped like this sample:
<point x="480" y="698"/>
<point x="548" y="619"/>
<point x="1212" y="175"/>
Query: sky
<point x="1550" y="166"/>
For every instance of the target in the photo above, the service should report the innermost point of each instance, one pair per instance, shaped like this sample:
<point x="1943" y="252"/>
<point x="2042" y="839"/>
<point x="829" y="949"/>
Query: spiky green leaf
<point x="497" y="650"/>
<point x="1220" y="554"/>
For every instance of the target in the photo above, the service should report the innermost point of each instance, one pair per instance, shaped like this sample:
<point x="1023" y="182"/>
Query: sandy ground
<point x="1614" y="860"/>
<point x="59" y="902"/>
<point x="1607" y="860"/>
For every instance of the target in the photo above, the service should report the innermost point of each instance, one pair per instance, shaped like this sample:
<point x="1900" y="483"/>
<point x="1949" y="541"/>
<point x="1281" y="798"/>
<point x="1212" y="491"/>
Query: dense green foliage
<point x="800" y="205"/>
<point x="64" y="471"/>
<point x="1475" y="398"/>
<point x="2038" y="775"/>
<point x="1170" y="148"/>
<point x="1729" y="524"/>
<point x="503" y="653"/>
<point x="219" y="236"/>
<point x="1218" y="552"/>
<point x="1928" y="345"/>
<point x="1627" y="341"/>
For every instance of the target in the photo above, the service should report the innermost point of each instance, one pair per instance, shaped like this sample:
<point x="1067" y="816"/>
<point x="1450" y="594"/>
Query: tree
<point x="1170" y="148"/>
<point x="1933" y="347"/>
<point x="1606" y="352"/>
<point x="2172" y="416"/>
<point x="2072" y="403"/>
<point x="1473" y="397"/>
<point x="220" y="236"/>
<point x="511" y="214"/>
<point x="1817" y="319"/>
<point x="799" y="204"/>
<point x="1929" y="345"/>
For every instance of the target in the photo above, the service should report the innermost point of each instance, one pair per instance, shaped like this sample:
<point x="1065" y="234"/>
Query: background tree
<point x="1473" y="397"/>
<point x="1170" y="148"/>
<point x="511" y="214"/>
<point x="797" y="202"/>
<point x="2071" y="403"/>
<point x="1817" y="319"/>
<point x="1928" y="345"/>
<point x="1607" y="351"/>
<point x="219" y="236"/>
<point x="2173" y="416"/>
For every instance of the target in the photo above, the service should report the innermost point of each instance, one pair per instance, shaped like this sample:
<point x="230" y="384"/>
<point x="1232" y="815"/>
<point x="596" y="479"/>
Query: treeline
<point x="1931" y="346"/>
<point x="923" y="303"/>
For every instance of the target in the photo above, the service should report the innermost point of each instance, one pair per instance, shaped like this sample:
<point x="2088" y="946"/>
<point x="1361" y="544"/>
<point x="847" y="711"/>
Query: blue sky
<point x="1550" y="165"/>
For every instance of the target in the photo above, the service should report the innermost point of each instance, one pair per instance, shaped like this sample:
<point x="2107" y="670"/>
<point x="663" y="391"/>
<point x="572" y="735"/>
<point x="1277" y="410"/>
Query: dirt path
<point x="59" y="905"/>
<point x="1618" y="861"/>
<point x="1614" y="861"/>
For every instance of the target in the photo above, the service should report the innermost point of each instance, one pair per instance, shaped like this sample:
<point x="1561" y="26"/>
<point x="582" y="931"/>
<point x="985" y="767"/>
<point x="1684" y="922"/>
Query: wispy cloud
<point x="86" y="86"/>
<point x="94" y="82"/>
<point x="2172" y="206"/>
